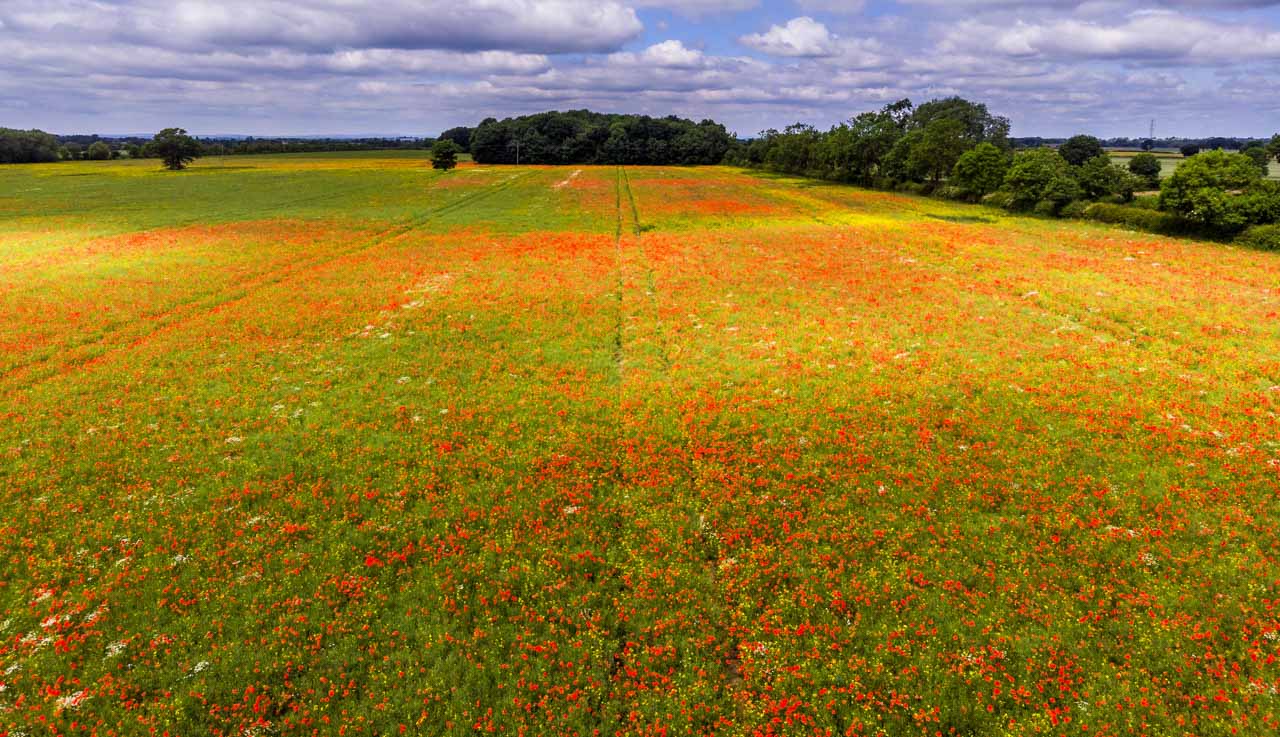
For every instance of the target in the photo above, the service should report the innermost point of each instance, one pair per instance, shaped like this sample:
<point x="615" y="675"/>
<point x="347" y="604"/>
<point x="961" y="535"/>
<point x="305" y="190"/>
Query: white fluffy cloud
<point x="1155" y="35"/>
<point x="802" y="37"/>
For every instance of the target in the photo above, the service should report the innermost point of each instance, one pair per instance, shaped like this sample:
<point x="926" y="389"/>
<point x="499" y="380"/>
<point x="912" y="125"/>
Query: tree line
<point x="957" y="149"/>
<point x="35" y="146"/>
<point x="585" y="137"/>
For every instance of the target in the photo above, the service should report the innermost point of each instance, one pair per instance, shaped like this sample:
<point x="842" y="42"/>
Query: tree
<point x="1148" y="144"/>
<point x="444" y="154"/>
<point x="99" y="151"/>
<point x="1079" y="149"/>
<point x="979" y="124"/>
<point x="460" y="136"/>
<point x="1260" y="157"/>
<point x="175" y="148"/>
<point x="1040" y="174"/>
<point x="1274" y="147"/>
<point x="940" y="146"/>
<point x="981" y="170"/>
<point x="27" y="147"/>
<point x="1099" y="177"/>
<point x="1210" y="188"/>
<point x="1148" y="167"/>
<point x="1189" y="150"/>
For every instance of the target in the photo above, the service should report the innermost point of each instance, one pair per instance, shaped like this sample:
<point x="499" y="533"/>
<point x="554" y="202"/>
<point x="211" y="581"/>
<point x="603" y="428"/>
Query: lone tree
<point x="444" y="154"/>
<point x="1079" y="149"/>
<point x="1189" y="150"/>
<point x="1148" y="167"/>
<point x="175" y="148"/>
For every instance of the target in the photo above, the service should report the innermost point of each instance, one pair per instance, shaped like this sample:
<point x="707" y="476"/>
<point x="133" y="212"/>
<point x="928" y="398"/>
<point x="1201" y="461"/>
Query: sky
<point x="416" y="67"/>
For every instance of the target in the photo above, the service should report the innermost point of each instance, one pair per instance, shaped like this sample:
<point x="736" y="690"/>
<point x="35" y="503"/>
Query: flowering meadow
<point x="342" y="445"/>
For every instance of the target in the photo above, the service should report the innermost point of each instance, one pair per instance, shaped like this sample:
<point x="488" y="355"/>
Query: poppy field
<point x="342" y="445"/>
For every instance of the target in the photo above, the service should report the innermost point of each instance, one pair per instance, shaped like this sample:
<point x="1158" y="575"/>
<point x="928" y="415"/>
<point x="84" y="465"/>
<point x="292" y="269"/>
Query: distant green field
<point x="1170" y="162"/>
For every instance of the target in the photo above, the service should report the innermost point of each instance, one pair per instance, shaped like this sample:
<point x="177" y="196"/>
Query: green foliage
<point x="444" y="154"/>
<point x="981" y="170"/>
<point x="1074" y="209"/>
<point x="1000" y="198"/>
<point x="900" y="142"/>
<point x="1046" y="208"/>
<point x="99" y="151"/>
<point x="1151" y="221"/>
<point x="978" y="124"/>
<point x="1148" y="167"/>
<point x="1079" y="149"/>
<point x="175" y="148"/>
<point x="940" y="145"/>
<point x="1261" y="158"/>
<point x="1273" y="147"/>
<point x="27" y="147"/>
<point x="1211" y="189"/>
<point x="1040" y="174"/>
<point x="1264" y="237"/>
<point x="460" y="136"/>
<point x="1189" y="150"/>
<point x="1099" y="177"/>
<point x="584" y="137"/>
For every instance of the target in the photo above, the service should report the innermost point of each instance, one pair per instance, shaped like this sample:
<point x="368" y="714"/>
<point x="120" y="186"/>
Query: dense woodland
<point x="584" y="137"/>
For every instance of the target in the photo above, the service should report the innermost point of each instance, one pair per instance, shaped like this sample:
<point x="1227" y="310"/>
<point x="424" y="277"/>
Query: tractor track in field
<point x="116" y="337"/>
<point x="240" y="215"/>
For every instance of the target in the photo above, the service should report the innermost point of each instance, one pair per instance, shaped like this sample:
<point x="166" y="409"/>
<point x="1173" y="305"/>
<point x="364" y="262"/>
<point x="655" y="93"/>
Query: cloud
<point x="800" y="37"/>
<point x="1155" y="35"/>
<point x="528" y="26"/>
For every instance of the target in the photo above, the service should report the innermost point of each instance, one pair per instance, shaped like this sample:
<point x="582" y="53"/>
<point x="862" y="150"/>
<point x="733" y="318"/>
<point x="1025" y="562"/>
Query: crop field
<point x="1169" y="163"/>
<point x="341" y="445"/>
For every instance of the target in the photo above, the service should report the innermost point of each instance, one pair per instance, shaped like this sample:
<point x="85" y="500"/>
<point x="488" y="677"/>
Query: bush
<point x="1146" y="166"/>
<point x="1074" y="209"/>
<point x="1040" y="174"/>
<point x="99" y="151"/>
<point x="1265" y="237"/>
<point x="954" y="193"/>
<point x="1046" y="208"/>
<point x="912" y="188"/>
<point x="1100" y="178"/>
<point x="1146" y="202"/>
<point x="1212" y="189"/>
<point x="1151" y="221"/>
<point x="1001" y="199"/>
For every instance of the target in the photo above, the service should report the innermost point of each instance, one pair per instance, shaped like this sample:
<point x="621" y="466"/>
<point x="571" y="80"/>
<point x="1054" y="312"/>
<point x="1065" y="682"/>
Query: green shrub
<point x="1040" y="174"/>
<point x="953" y="193"/>
<point x="1074" y="209"/>
<point x="1151" y="221"/>
<point x="913" y="188"/>
<point x="1265" y="237"/>
<point x="1046" y="208"/>
<point x="1146" y="202"/>
<point x="1148" y="167"/>
<point x="1212" y="189"/>
<point x="1001" y="199"/>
